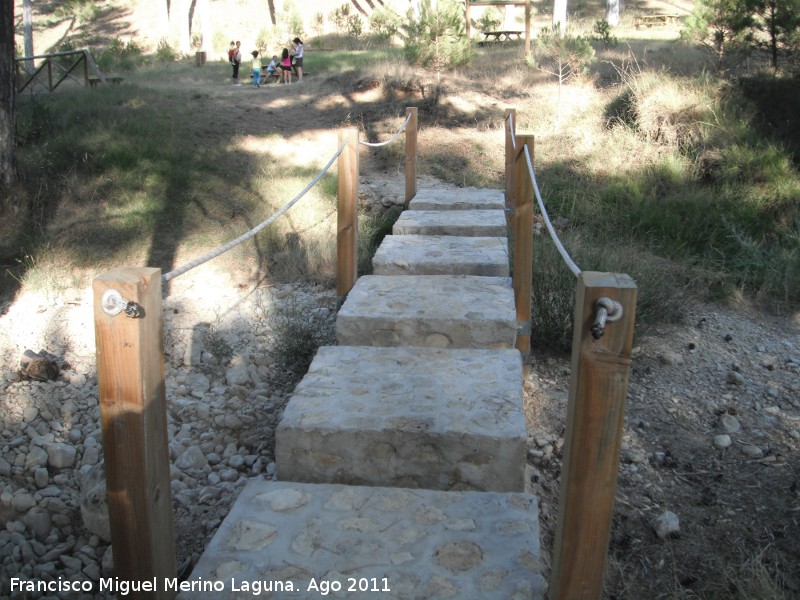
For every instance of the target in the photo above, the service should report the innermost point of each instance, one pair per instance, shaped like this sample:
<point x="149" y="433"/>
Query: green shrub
<point x="120" y="56"/>
<point x="297" y="326"/>
<point x="384" y="22"/>
<point x="490" y="20"/>
<point x="164" y="52"/>
<point x="602" y="34"/>
<point x="437" y="39"/>
<point x="355" y="27"/>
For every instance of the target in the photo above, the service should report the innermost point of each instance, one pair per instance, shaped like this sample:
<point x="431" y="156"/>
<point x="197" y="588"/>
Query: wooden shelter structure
<point x="525" y="3"/>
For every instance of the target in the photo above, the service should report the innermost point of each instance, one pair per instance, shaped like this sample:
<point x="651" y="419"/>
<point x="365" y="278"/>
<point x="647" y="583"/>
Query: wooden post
<point x="411" y="155"/>
<point x="85" y="70"/>
<point x="347" y="225"/>
<point x="523" y="247"/>
<point x="595" y="418"/>
<point x="49" y="75"/>
<point x="130" y="373"/>
<point x="510" y="125"/>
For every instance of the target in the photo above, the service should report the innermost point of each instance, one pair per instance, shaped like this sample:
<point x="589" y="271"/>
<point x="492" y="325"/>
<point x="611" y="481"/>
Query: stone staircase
<point x="401" y="454"/>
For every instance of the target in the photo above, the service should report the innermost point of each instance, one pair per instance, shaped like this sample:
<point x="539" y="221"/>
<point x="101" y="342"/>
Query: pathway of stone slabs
<point x="401" y="454"/>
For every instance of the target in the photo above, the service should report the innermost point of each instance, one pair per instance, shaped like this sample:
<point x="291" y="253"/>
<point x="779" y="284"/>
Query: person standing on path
<point x="231" y="54"/>
<point x="298" y="57"/>
<point x="286" y="66"/>
<point x="237" y="60"/>
<point x="256" y="65"/>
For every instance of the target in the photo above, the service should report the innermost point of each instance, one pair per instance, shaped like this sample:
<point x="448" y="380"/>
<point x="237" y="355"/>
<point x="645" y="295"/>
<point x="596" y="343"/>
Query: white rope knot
<point x="607" y="311"/>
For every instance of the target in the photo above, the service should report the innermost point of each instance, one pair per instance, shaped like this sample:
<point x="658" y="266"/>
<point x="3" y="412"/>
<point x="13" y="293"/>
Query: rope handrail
<point x="391" y="139"/>
<point x="242" y="238"/>
<point x="550" y="229"/>
<point x="511" y="128"/>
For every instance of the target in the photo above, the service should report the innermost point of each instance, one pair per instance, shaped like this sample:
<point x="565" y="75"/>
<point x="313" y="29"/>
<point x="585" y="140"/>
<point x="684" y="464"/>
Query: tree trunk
<point x="204" y="25"/>
<point x="271" y="4"/>
<point x="179" y="23"/>
<point x="612" y="12"/>
<point x="27" y="24"/>
<point x="8" y="173"/>
<point x="560" y="15"/>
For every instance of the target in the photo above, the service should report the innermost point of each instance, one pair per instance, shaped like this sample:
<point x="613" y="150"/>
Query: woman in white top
<point x="298" y="57"/>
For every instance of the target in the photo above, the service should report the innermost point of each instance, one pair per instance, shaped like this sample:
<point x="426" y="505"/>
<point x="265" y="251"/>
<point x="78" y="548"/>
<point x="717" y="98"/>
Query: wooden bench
<point x="93" y="81"/>
<point x="501" y="36"/>
<point x="655" y="20"/>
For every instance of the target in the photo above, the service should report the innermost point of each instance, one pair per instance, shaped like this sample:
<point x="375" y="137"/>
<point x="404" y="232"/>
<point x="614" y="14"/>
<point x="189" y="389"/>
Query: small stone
<point x="670" y="358"/>
<point x="22" y="502"/>
<point x="191" y="459"/>
<point x="61" y="456"/>
<point x="94" y="503"/>
<point x="36" y="458"/>
<point x="752" y="451"/>
<point x="30" y="413"/>
<point x="728" y="423"/>
<point x="722" y="441"/>
<point x="237" y="373"/>
<point x="735" y="378"/>
<point x="41" y="477"/>
<point x="667" y="525"/>
<point x="38" y="521"/>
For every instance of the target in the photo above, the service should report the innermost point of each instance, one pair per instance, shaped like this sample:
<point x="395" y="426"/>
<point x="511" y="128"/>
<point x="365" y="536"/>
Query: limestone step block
<point x="458" y="199"/>
<point x="292" y="540"/>
<point x="438" y="311"/>
<point x="441" y="255"/>
<point x="470" y="223"/>
<point x="407" y="417"/>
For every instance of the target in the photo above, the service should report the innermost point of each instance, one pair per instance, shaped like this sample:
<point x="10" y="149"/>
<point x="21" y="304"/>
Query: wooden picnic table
<point x="657" y="20"/>
<point x="502" y="36"/>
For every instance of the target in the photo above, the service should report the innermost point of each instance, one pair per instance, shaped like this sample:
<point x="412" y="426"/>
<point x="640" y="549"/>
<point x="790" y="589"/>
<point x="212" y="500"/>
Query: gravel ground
<point x="708" y="486"/>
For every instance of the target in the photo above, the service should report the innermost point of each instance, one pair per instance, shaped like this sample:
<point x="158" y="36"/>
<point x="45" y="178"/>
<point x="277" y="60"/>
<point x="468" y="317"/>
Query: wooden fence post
<point x="130" y="373"/>
<point x="411" y="155"/>
<point x="595" y="419"/>
<point x="347" y="225"/>
<point x="523" y="247"/>
<point x="49" y="75"/>
<point x="510" y="125"/>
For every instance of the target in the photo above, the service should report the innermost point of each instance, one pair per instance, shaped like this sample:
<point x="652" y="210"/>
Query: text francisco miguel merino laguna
<point x="124" y="587"/>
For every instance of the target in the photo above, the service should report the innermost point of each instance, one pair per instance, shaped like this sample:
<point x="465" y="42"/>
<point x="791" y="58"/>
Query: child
<point x="237" y="59"/>
<point x="272" y="67"/>
<point x="256" y="65"/>
<point x="286" y="66"/>
<point x="298" y="57"/>
<point x="231" y="54"/>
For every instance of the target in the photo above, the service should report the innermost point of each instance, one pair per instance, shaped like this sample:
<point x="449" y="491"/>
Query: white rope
<point x="570" y="263"/>
<point x="221" y="250"/>
<point x="511" y="127"/>
<point x="391" y="139"/>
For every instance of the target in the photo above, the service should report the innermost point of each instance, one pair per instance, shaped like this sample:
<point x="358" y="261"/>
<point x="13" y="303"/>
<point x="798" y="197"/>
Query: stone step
<point x="294" y="540"/>
<point x="439" y="311"/>
<point x="470" y="223"/>
<point x="407" y="417"/>
<point x="460" y="199"/>
<point x="441" y="255"/>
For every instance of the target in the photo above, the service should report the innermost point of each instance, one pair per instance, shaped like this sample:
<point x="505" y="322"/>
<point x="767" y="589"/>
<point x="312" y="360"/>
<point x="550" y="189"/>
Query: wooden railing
<point x="52" y="67"/>
<point x="130" y="372"/>
<point x="597" y="395"/>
